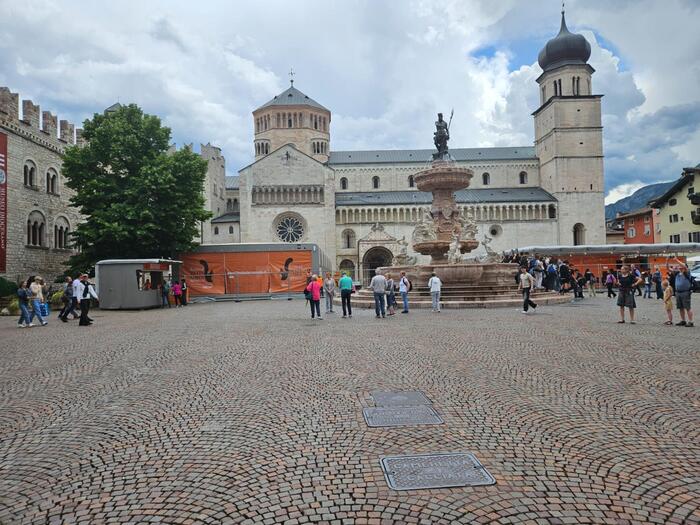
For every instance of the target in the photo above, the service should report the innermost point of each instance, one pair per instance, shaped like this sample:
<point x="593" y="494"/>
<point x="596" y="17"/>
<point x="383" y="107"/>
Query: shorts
<point x="683" y="300"/>
<point x="626" y="298"/>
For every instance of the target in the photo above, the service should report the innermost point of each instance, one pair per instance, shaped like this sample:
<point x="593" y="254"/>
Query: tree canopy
<point x="138" y="198"/>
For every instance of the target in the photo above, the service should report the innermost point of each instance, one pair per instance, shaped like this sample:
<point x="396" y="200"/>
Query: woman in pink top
<point x="177" y="294"/>
<point x="314" y="288"/>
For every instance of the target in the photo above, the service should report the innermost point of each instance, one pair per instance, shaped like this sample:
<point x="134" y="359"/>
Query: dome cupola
<point x="564" y="49"/>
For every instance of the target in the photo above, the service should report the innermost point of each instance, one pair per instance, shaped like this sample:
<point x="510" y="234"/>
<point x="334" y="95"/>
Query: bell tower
<point x="569" y="138"/>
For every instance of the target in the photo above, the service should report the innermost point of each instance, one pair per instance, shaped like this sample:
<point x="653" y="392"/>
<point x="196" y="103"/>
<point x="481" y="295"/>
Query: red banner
<point x="3" y="203"/>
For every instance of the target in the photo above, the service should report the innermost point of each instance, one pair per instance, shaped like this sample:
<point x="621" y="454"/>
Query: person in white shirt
<point x="76" y="298"/>
<point x="404" y="286"/>
<point x="85" y="293"/>
<point x="435" y="285"/>
<point x="378" y="286"/>
<point x="526" y="284"/>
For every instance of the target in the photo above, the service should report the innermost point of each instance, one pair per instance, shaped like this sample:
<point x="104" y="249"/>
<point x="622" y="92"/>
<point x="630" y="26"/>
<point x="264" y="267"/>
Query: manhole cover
<point x="431" y="471"/>
<point x="401" y="416"/>
<point x="399" y="399"/>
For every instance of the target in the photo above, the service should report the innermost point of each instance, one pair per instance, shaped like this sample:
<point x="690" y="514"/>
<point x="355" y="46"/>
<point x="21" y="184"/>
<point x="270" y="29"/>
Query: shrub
<point x="7" y="287"/>
<point x="13" y="307"/>
<point x="56" y="298"/>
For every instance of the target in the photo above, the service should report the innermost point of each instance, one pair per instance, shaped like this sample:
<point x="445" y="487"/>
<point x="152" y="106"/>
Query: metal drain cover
<point x="432" y="471"/>
<point x="401" y="416"/>
<point x="400" y="399"/>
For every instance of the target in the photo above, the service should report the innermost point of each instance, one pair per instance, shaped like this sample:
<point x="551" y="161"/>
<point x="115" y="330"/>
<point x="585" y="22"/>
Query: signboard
<point x="156" y="267"/>
<point x="3" y="202"/>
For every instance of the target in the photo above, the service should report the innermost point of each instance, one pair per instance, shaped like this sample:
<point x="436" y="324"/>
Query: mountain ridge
<point x="638" y="199"/>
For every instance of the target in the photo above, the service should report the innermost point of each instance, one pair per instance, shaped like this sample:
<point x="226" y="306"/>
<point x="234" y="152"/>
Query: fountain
<point x="446" y="235"/>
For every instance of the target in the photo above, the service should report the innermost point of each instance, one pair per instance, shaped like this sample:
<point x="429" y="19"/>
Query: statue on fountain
<point x="425" y="229"/>
<point x="440" y="138"/>
<point x="402" y="258"/>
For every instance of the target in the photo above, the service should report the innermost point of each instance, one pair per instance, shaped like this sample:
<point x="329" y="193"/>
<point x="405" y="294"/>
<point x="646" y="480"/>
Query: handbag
<point x="353" y="290"/>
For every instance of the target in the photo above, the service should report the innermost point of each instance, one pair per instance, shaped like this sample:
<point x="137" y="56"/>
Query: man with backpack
<point x="404" y="288"/>
<point x="683" y="289"/>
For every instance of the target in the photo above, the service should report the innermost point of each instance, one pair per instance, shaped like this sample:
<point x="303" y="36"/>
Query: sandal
<point x="632" y="322"/>
<point x="669" y="323"/>
<point x="621" y="322"/>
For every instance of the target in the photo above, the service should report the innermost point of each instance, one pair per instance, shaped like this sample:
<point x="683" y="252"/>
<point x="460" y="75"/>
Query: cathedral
<point x="360" y="207"/>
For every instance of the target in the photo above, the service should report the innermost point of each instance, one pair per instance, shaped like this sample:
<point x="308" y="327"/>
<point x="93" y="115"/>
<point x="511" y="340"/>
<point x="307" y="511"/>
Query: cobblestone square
<point x="252" y="413"/>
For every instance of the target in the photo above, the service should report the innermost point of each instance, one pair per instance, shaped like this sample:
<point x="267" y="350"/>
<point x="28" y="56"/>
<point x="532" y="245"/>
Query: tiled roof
<point x="233" y="182"/>
<point x="464" y="196"/>
<point x="233" y="216"/>
<point x="423" y="156"/>
<point x="292" y="97"/>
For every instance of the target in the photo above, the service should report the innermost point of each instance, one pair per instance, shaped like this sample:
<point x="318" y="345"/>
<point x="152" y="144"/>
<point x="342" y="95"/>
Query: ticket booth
<point x="124" y="284"/>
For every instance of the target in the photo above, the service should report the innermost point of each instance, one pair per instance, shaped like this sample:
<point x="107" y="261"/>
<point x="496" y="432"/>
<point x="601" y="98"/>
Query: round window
<point x="495" y="230"/>
<point x="290" y="229"/>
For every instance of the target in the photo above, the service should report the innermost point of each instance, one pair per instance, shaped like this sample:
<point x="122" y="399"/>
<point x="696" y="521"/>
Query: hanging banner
<point x="3" y="202"/>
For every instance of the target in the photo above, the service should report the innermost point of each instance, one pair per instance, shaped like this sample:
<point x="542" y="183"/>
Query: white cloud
<point x="622" y="191"/>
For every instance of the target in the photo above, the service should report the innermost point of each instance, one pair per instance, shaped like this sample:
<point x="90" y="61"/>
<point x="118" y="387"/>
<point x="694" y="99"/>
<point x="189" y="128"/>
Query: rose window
<point x="290" y="229"/>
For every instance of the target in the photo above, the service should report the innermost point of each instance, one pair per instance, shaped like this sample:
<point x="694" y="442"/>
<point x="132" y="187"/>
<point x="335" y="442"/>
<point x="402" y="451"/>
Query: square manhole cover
<point x="401" y="416"/>
<point x="432" y="471"/>
<point x="400" y="399"/>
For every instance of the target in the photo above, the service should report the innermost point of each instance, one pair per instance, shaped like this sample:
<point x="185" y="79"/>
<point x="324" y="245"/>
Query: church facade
<point x="361" y="207"/>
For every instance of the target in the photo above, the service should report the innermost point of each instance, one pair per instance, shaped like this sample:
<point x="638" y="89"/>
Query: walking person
<point x="37" y="298"/>
<point x="76" y="298"/>
<point x="527" y="282"/>
<point x="86" y="293"/>
<point x="590" y="282"/>
<point x="67" y="300"/>
<point x="378" y="286"/>
<point x="390" y="295"/>
<point x="346" y="289"/>
<point x="610" y="281"/>
<point x="165" y="294"/>
<point x="668" y="301"/>
<point x="177" y="294"/>
<point x="183" y="298"/>
<point x="329" y="289"/>
<point x="404" y="288"/>
<point x="683" y="292"/>
<point x="628" y="283"/>
<point x="637" y="275"/>
<point x="314" y="289"/>
<point x="23" y="296"/>
<point x="435" y="286"/>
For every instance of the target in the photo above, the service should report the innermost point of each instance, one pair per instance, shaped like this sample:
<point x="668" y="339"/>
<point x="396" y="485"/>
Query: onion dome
<point x="564" y="49"/>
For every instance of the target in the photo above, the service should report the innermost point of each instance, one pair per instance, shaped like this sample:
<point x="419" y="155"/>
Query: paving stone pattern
<point x="252" y="413"/>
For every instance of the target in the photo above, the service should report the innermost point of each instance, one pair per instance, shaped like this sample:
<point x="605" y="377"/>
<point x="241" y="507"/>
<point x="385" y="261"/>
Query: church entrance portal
<point x="373" y="259"/>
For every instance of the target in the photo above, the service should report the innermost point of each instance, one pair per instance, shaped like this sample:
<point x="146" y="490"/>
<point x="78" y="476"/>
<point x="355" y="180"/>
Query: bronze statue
<point x="441" y="136"/>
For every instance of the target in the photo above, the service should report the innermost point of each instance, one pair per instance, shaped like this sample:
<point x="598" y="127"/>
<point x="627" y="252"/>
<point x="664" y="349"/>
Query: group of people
<point x="554" y="275"/>
<point x="174" y="289"/>
<point x="35" y="293"/>
<point x="317" y="287"/>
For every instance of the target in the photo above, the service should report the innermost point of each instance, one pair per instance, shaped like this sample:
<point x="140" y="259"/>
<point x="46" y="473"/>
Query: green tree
<point x="138" y="199"/>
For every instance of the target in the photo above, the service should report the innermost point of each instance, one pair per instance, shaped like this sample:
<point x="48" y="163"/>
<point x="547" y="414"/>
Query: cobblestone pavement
<point x="252" y="413"/>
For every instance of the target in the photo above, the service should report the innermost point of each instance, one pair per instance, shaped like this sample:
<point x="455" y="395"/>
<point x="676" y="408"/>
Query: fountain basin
<point x="443" y="176"/>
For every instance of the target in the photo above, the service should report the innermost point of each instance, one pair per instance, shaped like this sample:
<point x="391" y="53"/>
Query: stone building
<point x="360" y="207"/>
<point x="35" y="213"/>
<point x="679" y="209"/>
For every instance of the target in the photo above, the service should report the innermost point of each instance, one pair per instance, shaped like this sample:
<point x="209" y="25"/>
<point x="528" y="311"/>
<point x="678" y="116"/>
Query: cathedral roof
<point x="426" y="155"/>
<point x="471" y="196"/>
<point x="233" y="182"/>
<point x="564" y="49"/>
<point x="292" y="97"/>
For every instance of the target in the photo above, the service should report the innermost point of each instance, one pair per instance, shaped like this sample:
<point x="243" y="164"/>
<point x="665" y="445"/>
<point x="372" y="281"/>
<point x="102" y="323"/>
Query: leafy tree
<point x="138" y="199"/>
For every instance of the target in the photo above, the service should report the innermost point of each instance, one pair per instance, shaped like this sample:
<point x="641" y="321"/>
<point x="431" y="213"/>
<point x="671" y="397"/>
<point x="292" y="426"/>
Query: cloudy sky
<point x="383" y="67"/>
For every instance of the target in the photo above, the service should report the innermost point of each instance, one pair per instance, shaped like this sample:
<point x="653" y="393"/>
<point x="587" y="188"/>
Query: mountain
<point x="638" y="199"/>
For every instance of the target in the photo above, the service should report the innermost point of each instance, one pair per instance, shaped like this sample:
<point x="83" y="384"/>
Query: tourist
<point x="564" y="277"/>
<point x="314" y="290"/>
<point x="628" y="283"/>
<point x="656" y="279"/>
<point x="637" y="275"/>
<point x="683" y="292"/>
<point x="23" y="295"/>
<point x="590" y="282"/>
<point x="435" y="286"/>
<point x="329" y="289"/>
<point x="550" y="280"/>
<point x="610" y="281"/>
<point x="346" y="290"/>
<point x="378" y="286"/>
<point x="646" y="277"/>
<point x="527" y="282"/>
<point x="404" y="288"/>
<point x="538" y="273"/>
<point x="165" y="294"/>
<point x="85" y="293"/>
<point x="668" y="301"/>
<point x="76" y="298"/>
<point x="36" y="289"/>
<point x="177" y="294"/>
<point x="183" y="298"/>
<point x="67" y="300"/>
<point x="390" y="295"/>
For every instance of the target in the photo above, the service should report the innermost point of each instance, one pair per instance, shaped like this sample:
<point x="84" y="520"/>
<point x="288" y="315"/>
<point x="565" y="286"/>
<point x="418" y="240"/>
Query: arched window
<point x="552" y="211"/>
<point x="29" y="173"/>
<point x="267" y="148"/>
<point x="60" y="233"/>
<point x="347" y="266"/>
<point x="343" y="183"/>
<point x="579" y="234"/>
<point x="375" y="182"/>
<point x="230" y="230"/>
<point x="313" y="148"/>
<point x="235" y="205"/>
<point x="348" y="239"/>
<point x="216" y="230"/>
<point x="485" y="179"/>
<point x="523" y="177"/>
<point x="229" y="205"/>
<point x="289" y="120"/>
<point x="315" y="121"/>
<point x="411" y="181"/>
<point x="36" y="227"/>
<point x="51" y="181"/>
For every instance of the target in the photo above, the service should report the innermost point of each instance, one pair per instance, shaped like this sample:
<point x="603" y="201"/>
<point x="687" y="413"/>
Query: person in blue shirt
<point x="24" y="317"/>
<point x="345" y="285"/>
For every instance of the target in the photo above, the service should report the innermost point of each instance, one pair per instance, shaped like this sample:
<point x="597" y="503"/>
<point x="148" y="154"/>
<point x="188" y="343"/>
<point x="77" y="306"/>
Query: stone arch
<point x="30" y="173"/>
<point x="347" y="266"/>
<point x="61" y="231"/>
<point x="36" y="228"/>
<point x="579" y="232"/>
<point x="349" y="239"/>
<point x="374" y="258"/>
<point x="343" y="183"/>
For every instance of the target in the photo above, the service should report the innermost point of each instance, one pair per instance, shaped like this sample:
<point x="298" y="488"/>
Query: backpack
<point x="410" y="284"/>
<point x="551" y="269"/>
